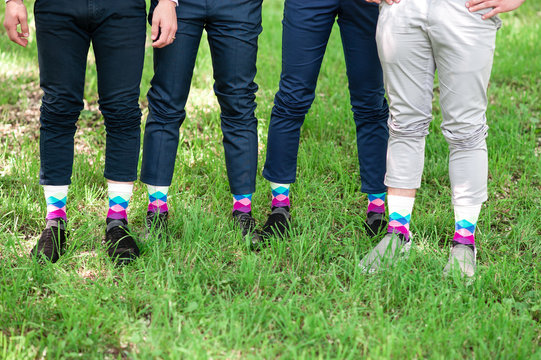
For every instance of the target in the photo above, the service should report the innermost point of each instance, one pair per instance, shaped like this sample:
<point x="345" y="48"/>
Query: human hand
<point x="164" y="23"/>
<point x="390" y="2"/>
<point x="16" y="15"/>
<point x="499" y="6"/>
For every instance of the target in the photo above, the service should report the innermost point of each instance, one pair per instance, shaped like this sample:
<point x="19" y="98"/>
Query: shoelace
<point x="246" y="221"/>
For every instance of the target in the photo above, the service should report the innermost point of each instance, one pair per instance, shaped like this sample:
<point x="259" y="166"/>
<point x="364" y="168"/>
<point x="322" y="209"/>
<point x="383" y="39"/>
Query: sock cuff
<point x="154" y="189"/>
<point x="55" y="189"/>
<point x="468" y="212"/>
<point x="401" y="198"/>
<point x="400" y="204"/>
<point x="124" y="188"/>
<point x="275" y="186"/>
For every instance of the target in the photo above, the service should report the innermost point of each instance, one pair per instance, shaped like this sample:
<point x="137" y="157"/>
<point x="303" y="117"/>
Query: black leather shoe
<point x="277" y="223"/>
<point x="156" y="224"/>
<point x="121" y="246"/>
<point x="51" y="242"/>
<point x="375" y="223"/>
<point x="247" y="224"/>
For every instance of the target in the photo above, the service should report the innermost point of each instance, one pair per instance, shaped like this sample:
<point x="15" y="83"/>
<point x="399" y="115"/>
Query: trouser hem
<point x="54" y="183"/>
<point x="376" y="191"/>
<point x="470" y="202"/>
<point x="278" y="180"/>
<point x="402" y="185"/>
<point x="151" y="182"/>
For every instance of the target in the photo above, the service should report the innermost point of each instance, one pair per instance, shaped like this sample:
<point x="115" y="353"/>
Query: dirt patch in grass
<point x="21" y="119"/>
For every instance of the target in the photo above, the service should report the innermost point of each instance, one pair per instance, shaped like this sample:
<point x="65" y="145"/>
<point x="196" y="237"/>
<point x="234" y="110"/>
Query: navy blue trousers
<point x="306" y="29"/>
<point x="64" y="31"/>
<point x="233" y="27"/>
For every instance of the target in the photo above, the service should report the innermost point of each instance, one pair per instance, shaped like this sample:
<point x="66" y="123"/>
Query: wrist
<point x="172" y="2"/>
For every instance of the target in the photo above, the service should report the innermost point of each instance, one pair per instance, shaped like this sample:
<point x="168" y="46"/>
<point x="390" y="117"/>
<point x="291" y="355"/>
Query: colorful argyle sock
<point x="242" y="203"/>
<point x="280" y="195"/>
<point x="56" y="197"/>
<point x="119" y="199"/>
<point x="157" y="198"/>
<point x="400" y="208"/>
<point x="376" y="203"/>
<point x="465" y="223"/>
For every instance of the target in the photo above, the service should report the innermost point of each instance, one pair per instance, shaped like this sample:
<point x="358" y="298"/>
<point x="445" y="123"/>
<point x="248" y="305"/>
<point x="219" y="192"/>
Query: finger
<point x="155" y="29"/>
<point x="481" y="6"/>
<point x="23" y="38"/>
<point x="162" y="40"/>
<point x="491" y="13"/>
<point x="166" y="35"/>
<point x="172" y="35"/>
<point x="24" y="26"/>
<point x="473" y="2"/>
<point x="13" y="35"/>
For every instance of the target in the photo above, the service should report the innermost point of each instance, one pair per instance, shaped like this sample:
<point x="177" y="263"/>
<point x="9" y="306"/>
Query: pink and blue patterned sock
<point x="242" y="203"/>
<point x="400" y="208"/>
<point x="399" y="224"/>
<point x="376" y="203"/>
<point x="280" y="195"/>
<point x="157" y="198"/>
<point x="56" y="197"/>
<point x="465" y="223"/>
<point x="119" y="199"/>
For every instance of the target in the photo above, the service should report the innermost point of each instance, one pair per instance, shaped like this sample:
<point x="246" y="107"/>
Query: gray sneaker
<point x="462" y="258"/>
<point x="390" y="248"/>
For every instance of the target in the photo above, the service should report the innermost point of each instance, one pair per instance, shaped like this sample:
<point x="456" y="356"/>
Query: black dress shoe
<point x="121" y="246"/>
<point x="375" y="223"/>
<point x="156" y="224"/>
<point x="247" y="224"/>
<point x="277" y="223"/>
<point x="51" y="242"/>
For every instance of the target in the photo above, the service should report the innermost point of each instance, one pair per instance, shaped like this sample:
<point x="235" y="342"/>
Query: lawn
<point x="203" y="294"/>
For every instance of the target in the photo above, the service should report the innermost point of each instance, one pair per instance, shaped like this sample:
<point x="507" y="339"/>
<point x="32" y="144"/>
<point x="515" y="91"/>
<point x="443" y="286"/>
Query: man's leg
<point x="173" y="69"/>
<point x="306" y="29"/>
<point x="119" y="45"/>
<point x="358" y="21"/>
<point x="233" y="29"/>
<point x="408" y="66"/>
<point x="464" y="50"/>
<point x="62" y="51"/>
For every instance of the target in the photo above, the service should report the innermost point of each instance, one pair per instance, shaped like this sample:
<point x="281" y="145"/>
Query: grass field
<point x="203" y="294"/>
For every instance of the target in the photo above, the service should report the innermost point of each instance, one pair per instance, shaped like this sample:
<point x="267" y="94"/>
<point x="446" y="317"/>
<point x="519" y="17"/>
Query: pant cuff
<point x="278" y="180"/>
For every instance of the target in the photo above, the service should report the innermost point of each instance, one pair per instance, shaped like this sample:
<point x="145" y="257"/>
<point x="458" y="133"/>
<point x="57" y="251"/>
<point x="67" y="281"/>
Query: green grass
<point x="204" y="295"/>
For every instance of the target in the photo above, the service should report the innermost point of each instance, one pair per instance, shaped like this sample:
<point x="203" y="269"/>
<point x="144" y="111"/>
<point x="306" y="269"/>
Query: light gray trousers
<point x="414" y="38"/>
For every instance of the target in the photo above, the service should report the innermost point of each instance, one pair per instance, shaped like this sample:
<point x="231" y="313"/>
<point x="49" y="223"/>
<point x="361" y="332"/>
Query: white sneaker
<point x="385" y="253"/>
<point x="462" y="258"/>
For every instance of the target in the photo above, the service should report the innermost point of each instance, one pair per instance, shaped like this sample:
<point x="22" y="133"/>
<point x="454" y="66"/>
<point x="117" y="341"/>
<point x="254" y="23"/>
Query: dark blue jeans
<point x="64" y="31"/>
<point x="233" y="27"/>
<point x="307" y="25"/>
